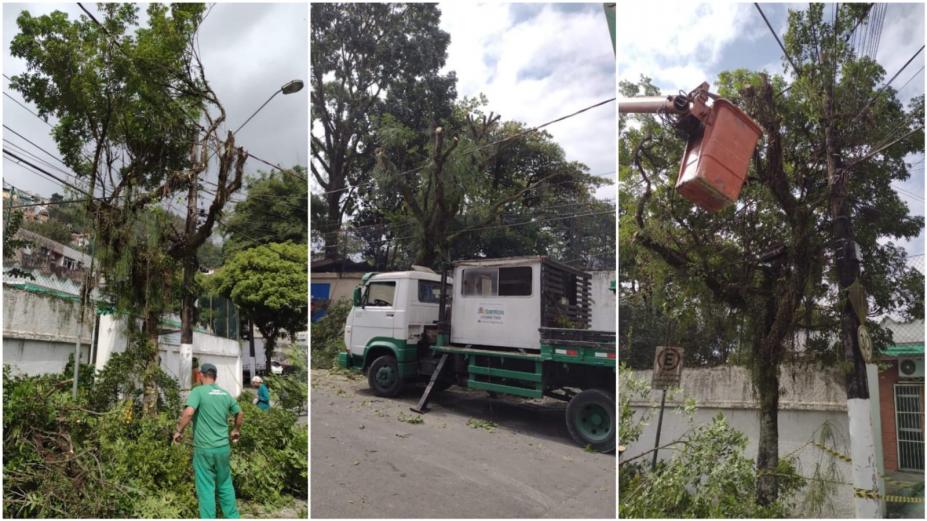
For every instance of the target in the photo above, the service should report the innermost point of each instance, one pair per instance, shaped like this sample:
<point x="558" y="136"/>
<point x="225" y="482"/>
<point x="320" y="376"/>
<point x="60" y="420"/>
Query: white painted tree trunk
<point x="862" y="452"/>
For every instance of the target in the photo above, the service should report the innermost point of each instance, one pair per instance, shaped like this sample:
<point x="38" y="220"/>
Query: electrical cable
<point x="884" y="86"/>
<point x="776" y="36"/>
<point x="45" y="172"/>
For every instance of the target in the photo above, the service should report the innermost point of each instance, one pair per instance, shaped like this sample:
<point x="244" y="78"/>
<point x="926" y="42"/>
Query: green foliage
<point x="269" y="285"/>
<point x="290" y="391"/>
<point x="327" y="335"/>
<point x="272" y="457"/>
<point x="632" y="389"/>
<point x="122" y="380"/>
<point x="12" y="222"/>
<point x="708" y="476"/>
<point x="485" y="425"/>
<point x="466" y="190"/>
<point x="98" y="457"/>
<point x="413" y="419"/>
<point x="275" y="209"/>
<point x="50" y="229"/>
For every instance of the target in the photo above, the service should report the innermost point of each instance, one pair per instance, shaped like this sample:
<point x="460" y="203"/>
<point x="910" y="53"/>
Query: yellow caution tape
<point x="832" y="452"/>
<point x="874" y="494"/>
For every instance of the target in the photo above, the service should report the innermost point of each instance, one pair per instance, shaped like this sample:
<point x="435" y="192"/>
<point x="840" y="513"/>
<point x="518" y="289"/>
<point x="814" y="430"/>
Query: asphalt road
<point x="367" y="462"/>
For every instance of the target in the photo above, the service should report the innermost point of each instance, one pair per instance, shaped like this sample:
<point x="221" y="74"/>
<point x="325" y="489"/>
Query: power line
<point x="27" y="109"/>
<point x="883" y="87"/>
<point x="49" y="154"/>
<point x="776" y="36"/>
<point x="32" y="155"/>
<point x="45" y="172"/>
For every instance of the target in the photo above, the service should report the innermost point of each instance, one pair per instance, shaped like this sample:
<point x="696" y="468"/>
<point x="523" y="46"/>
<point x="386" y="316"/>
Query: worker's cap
<point x="257" y="380"/>
<point x="208" y="369"/>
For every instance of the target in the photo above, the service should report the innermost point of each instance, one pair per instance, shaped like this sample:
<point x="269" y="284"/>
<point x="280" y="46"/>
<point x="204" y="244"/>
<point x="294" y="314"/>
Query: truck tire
<point x="383" y="376"/>
<point x="590" y="418"/>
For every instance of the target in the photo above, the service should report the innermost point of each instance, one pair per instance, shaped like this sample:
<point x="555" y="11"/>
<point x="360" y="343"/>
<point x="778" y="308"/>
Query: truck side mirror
<point x="356" y="297"/>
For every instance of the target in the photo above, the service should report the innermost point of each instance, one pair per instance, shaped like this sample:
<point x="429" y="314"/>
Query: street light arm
<point x="278" y="91"/>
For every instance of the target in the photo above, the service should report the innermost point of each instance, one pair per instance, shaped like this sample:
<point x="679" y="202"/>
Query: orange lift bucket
<point x="717" y="158"/>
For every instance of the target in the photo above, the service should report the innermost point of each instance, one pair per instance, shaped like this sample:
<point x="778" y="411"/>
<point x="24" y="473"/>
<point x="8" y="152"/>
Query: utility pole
<point x="847" y="263"/>
<point x="189" y="274"/>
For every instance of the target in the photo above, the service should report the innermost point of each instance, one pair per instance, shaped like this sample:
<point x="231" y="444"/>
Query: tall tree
<point x="131" y="96"/>
<point x="367" y="60"/>
<point x="476" y="171"/>
<point x="275" y="209"/>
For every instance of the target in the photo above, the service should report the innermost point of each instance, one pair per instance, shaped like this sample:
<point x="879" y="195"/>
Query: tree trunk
<point x="149" y="382"/>
<point x="767" y="454"/>
<point x="332" y="229"/>
<point x="270" y="339"/>
<point x="766" y="381"/>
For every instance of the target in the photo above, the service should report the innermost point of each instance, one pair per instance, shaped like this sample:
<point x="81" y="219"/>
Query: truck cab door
<point x="376" y="315"/>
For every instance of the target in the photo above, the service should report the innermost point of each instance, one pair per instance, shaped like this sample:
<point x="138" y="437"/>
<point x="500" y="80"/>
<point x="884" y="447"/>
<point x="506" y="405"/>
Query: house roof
<point x="907" y="349"/>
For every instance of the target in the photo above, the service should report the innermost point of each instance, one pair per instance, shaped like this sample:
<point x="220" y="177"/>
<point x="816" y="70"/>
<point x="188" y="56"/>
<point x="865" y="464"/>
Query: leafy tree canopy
<point x="274" y="211"/>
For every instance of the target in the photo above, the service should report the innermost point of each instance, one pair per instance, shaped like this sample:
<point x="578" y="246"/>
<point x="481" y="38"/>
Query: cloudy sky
<point x="248" y="50"/>
<point x="536" y="62"/>
<point x="700" y="40"/>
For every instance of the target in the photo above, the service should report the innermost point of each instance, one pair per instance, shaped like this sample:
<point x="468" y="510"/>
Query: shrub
<point x="328" y="335"/>
<point x="65" y="458"/>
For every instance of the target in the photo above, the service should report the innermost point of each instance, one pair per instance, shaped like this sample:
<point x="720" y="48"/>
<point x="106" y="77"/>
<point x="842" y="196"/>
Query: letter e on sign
<point x="667" y="367"/>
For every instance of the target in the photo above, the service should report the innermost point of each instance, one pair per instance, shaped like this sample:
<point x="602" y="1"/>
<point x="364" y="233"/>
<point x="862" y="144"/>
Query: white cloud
<point x="537" y="68"/>
<point x="676" y="42"/>
<point x="248" y="50"/>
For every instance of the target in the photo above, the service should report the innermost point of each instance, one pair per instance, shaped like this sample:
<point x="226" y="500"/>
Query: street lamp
<point x="289" y="87"/>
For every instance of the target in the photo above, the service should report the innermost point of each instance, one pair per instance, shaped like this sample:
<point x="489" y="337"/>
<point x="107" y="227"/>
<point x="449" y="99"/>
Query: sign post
<point x="667" y="372"/>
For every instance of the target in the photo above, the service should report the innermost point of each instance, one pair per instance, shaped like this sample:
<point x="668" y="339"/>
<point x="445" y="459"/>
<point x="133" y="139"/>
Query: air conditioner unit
<point x="911" y="367"/>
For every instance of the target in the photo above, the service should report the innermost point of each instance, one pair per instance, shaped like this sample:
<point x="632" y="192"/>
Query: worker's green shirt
<point x="210" y="422"/>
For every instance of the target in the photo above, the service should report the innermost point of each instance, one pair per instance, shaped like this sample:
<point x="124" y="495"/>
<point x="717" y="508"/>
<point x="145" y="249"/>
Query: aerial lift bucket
<point x="721" y="140"/>
<point x="717" y="158"/>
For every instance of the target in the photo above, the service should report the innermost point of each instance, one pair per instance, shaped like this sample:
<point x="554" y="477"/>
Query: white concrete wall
<point x="809" y="398"/>
<point x="224" y="353"/>
<point x="40" y="332"/>
<point x="604" y="301"/>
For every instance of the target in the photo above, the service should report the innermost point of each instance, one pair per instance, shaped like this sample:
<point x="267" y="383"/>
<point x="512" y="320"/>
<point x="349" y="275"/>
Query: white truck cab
<point x="392" y="307"/>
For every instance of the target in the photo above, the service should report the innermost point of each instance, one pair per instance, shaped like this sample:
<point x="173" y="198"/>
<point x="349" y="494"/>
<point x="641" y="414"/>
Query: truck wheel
<point x="590" y="418"/>
<point x="383" y="376"/>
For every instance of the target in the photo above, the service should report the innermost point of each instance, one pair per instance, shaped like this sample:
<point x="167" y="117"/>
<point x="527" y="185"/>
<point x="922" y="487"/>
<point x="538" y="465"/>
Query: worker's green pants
<point x="211" y="468"/>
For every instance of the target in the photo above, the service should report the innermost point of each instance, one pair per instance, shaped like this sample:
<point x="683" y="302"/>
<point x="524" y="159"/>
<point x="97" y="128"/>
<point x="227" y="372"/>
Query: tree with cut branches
<point x="129" y="101"/>
<point x="774" y="258"/>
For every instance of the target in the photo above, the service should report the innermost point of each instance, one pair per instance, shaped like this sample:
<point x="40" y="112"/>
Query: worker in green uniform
<point x="209" y="406"/>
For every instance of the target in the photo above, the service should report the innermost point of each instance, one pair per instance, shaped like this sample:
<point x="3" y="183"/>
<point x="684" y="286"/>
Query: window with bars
<point x="909" y="425"/>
